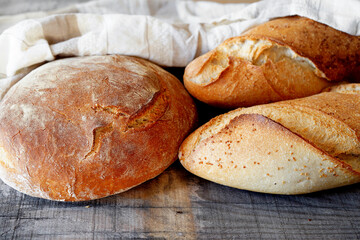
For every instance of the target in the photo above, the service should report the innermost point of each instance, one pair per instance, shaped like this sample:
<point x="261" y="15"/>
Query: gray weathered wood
<point x="179" y="205"/>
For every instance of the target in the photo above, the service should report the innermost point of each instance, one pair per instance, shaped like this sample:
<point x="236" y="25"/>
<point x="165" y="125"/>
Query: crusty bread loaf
<point x="282" y="59"/>
<point x="85" y="128"/>
<point x="289" y="147"/>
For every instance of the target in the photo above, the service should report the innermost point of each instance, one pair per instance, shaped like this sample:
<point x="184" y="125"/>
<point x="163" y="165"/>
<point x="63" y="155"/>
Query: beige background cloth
<point x="167" y="32"/>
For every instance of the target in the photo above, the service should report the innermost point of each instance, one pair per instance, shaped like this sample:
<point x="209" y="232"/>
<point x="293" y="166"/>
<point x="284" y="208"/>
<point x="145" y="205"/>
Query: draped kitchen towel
<point x="167" y="32"/>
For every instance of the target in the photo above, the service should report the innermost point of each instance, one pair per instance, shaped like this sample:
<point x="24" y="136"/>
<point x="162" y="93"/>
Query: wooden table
<point x="179" y="205"/>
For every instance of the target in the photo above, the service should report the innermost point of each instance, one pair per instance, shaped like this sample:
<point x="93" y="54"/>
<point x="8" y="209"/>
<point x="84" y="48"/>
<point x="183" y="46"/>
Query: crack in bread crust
<point x="115" y="110"/>
<point x="150" y="113"/>
<point x="98" y="134"/>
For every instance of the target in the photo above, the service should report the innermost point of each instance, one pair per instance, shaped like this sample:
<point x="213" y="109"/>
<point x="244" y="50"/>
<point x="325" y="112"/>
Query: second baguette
<point x="291" y="147"/>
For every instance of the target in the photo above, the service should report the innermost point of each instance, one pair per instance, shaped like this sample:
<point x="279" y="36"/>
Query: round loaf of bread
<point x="85" y="128"/>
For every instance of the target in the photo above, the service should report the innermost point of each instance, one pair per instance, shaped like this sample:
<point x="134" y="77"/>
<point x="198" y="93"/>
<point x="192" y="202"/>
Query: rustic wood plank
<point x="179" y="205"/>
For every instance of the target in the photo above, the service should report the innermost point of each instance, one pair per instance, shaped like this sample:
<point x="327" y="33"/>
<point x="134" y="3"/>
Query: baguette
<point x="290" y="147"/>
<point x="85" y="128"/>
<point x="286" y="58"/>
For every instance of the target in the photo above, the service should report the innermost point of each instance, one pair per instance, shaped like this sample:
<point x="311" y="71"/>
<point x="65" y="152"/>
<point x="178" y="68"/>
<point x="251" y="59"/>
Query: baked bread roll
<point x="289" y="147"/>
<point x="85" y="128"/>
<point x="282" y="59"/>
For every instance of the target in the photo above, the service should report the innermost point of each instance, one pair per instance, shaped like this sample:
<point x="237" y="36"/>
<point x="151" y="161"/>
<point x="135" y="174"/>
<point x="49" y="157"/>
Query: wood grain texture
<point x="177" y="204"/>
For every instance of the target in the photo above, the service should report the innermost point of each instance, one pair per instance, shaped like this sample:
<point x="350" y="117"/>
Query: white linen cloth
<point x="167" y="32"/>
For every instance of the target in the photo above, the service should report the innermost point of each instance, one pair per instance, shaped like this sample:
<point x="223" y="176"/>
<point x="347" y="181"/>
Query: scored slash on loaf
<point x="85" y="128"/>
<point x="290" y="147"/>
<point x="282" y="59"/>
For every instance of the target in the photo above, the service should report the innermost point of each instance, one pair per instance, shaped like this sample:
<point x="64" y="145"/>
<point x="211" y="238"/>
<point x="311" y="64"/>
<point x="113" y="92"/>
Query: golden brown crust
<point x="333" y="52"/>
<point x="283" y="59"/>
<point x="252" y="89"/>
<point x="291" y="147"/>
<point x="85" y="128"/>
